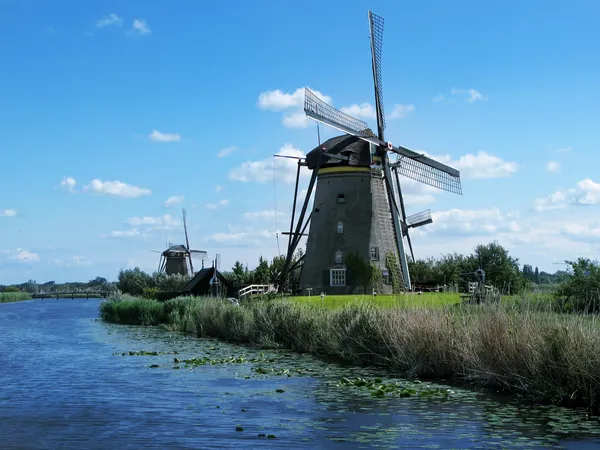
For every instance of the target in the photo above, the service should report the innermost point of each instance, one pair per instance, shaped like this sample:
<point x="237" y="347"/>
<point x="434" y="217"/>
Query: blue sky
<point x="110" y="109"/>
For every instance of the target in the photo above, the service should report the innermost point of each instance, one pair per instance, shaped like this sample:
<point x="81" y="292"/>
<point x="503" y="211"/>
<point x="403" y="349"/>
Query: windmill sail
<point x="376" y="29"/>
<point x="411" y="164"/>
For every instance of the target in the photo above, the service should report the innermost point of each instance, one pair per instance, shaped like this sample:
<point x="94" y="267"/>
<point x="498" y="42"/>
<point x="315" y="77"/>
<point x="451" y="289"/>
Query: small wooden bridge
<point x="72" y="295"/>
<point x="257" y="289"/>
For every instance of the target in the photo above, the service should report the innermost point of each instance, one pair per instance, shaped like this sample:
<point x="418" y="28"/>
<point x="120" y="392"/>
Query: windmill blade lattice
<point x="419" y="219"/>
<point x="376" y="26"/>
<point x="317" y="109"/>
<point x="422" y="170"/>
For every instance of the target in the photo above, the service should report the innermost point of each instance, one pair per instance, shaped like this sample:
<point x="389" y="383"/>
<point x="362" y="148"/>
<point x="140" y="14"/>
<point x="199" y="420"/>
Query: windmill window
<point x="337" y="277"/>
<point x="341" y="198"/>
<point x="340" y="227"/>
<point x="338" y="257"/>
<point x="386" y="276"/>
<point x="374" y="254"/>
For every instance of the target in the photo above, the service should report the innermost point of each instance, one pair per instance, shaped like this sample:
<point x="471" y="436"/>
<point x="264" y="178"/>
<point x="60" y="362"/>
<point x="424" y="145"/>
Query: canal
<point x="69" y="380"/>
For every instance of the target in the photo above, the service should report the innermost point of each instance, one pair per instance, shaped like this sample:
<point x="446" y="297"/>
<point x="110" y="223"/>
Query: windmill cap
<point x="345" y="150"/>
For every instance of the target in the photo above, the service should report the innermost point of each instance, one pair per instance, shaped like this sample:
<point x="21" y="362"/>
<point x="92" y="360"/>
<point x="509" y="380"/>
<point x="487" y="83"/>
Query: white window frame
<point x="338" y="257"/>
<point x="339" y="227"/>
<point x="340" y="276"/>
<point x="376" y="257"/>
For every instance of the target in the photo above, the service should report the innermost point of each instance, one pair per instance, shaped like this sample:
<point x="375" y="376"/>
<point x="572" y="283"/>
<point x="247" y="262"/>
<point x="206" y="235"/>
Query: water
<point x="64" y="383"/>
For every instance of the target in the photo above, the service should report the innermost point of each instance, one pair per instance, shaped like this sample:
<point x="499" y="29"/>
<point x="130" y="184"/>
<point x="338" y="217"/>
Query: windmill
<point x="175" y="259"/>
<point x="358" y="203"/>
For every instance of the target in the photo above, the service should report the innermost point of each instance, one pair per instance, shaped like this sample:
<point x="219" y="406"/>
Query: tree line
<point x="578" y="286"/>
<point x="51" y="287"/>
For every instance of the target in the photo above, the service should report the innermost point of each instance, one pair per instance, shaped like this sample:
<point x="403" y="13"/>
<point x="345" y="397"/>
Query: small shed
<point x="199" y="285"/>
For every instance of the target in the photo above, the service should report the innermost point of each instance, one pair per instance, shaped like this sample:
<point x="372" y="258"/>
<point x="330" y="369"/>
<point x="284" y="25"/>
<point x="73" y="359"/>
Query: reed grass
<point x="7" y="297"/>
<point x="516" y="347"/>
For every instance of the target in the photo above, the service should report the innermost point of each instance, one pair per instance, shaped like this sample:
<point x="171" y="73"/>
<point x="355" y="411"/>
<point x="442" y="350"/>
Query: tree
<point x="501" y="269"/>
<point x="581" y="291"/>
<point x="239" y="269"/>
<point x="134" y="281"/>
<point x="537" y="276"/>
<point x="360" y="271"/>
<point x="391" y="264"/>
<point x="376" y="278"/>
<point x="261" y="273"/>
<point x="98" y="281"/>
<point x="276" y="268"/>
<point x="11" y="289"/>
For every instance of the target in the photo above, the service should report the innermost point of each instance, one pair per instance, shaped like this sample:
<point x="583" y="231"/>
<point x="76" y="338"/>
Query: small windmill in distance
<point x="175" y="259"/>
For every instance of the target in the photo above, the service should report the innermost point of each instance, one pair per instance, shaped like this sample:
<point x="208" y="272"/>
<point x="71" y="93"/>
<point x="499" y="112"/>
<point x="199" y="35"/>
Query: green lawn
<point x="427" y="299"/>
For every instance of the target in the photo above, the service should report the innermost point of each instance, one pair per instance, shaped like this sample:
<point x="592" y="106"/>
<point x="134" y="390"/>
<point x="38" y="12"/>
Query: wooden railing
<point x="257" y="289"/>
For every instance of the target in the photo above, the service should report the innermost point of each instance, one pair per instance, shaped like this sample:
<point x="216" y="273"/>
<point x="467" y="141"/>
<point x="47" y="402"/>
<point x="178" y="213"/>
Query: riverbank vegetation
<point x="13" y="295"/>
<point x="515" y="347"/>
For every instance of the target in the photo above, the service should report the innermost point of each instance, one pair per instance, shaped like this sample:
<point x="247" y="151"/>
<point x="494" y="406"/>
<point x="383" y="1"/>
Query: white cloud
<point x="296" y="120"/>
<point x="164" y="222"/>
<point x="140" y="27"/>
<point x="68" y="183"/>
<point x="471" y="222"/>
<point x="417" y="199"/>
<point x="582" y="232"/>
<point x="438" y="98"/>
<point x="291" y="103"/>
<point x="111" y="19"/>
<point x="71" y="261"/>
<point x="472" y="95"/>
<point x="400" y="111"/>
<point x="364" y="110"/>
<point x="277" y="100"/>
<point x="173" y="200"/>
<point x="8" y="213"/>
<point x="157" y="136"/>
<point x="479" y="166"/>
<point x="553" y="166"/>
<point x="484" y="165"/>
<point x="262" y="171"/>
<point x="219" y="204"/>
<point x="218" y="188"/>
<point x="263" y="215"/>
<point x="124" y="234"/>
<point x="586" y="192"/>
<point x="248" y="238"/>
<point x="25" y="256"/>
<point x="116" y="188"/>
<point x="226" y="151"/>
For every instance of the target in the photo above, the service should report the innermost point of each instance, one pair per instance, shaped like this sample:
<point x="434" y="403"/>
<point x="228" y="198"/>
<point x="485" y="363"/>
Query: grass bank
<point x="6" y="297"/>
<point x="509" y="346"/>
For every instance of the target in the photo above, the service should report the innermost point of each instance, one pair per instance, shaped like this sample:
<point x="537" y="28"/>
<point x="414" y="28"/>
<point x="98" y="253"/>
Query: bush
<point x="581" y="291"/>
<point x="139" y="283"/>
<point x="8" y="289"/>
<point x="150" y="292"/>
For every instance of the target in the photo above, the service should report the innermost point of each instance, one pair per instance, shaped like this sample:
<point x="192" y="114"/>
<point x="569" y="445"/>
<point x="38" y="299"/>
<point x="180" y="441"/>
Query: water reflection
<point x="64" y="383"/>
